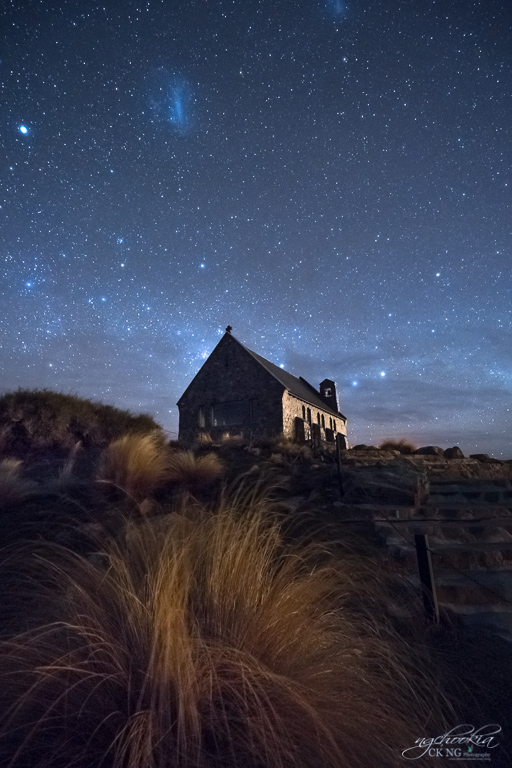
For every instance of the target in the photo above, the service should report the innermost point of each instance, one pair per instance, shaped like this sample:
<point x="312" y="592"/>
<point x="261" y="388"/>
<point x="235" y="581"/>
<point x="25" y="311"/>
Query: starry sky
<point x="332" y="178"/>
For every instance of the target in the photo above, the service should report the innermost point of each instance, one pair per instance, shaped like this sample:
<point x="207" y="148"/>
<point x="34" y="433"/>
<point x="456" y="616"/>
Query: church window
<point x="227" y="414"/>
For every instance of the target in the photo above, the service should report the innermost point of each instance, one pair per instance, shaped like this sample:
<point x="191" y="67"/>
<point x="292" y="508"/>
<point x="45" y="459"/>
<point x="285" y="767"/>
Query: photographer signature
<point x="461" y="735"/>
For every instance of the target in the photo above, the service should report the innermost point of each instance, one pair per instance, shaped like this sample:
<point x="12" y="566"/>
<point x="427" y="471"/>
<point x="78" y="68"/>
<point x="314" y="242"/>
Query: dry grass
<point x="203" y="439"/>
<point x="137" y="464"/>
<point x="288" y="452"/>
<point x="203" y="641"/>
<point x="232" y="441"/>
<point x="187" y="469"/>
<point x="12" y="487"/>
<point x="402" y="445"/>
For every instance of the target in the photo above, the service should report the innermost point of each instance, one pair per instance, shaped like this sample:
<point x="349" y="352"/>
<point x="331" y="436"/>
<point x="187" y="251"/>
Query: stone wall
<point x="231" y="374"/>
<point x="292" y="409"/>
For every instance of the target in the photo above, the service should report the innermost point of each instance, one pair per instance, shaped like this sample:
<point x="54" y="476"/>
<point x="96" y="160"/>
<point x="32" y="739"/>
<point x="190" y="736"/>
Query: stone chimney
<point x="329" y="395"/>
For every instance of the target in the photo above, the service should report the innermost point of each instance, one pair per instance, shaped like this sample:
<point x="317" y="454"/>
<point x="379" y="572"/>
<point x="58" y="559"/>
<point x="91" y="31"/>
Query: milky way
<point x="332" y="179"/>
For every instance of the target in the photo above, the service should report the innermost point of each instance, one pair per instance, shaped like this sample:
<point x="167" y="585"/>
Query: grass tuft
<point x="188" y="469"/>
<point x="202" y="640"/>
<point x="203" y="439"/>
<point x="137" y="464"/>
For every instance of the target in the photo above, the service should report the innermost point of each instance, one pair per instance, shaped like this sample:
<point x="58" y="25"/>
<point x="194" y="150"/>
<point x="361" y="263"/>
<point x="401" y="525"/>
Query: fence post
<point x="428" y="586"/>
<point x="340" y="446"/>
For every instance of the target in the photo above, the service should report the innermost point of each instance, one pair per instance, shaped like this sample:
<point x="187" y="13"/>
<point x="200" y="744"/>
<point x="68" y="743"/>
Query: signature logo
<point x="461" y="741"/>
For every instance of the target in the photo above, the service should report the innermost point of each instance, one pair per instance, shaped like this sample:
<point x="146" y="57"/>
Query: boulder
<point x="429" y="450"/>
<point x="453" y="453"/>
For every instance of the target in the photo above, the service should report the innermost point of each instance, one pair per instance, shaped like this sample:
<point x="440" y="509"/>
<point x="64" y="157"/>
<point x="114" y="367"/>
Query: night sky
<point x="333" y="179"/>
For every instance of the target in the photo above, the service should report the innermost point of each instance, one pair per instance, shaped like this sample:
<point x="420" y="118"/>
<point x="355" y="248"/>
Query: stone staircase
<point x="469" y="527"/>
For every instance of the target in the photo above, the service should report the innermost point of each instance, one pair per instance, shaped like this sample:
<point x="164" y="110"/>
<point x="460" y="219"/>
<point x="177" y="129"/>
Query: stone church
<point x="239" y="392"/>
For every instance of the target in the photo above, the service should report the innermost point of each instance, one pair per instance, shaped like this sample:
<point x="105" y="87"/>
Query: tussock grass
<point x="12" y="487"/>
<point x="204" y="439"/>
<point x="137" y="464"/>
<point x="202" y="640"/>
<point x="188" y="469"/>
<point x="232" y="441"/>
<point x="42" y="419"/>
<point x="402" y="445"/>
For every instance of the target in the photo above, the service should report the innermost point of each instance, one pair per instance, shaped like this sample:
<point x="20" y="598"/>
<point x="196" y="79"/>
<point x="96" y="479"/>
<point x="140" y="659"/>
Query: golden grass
<point x="137" y="464"/>
<point x="402" y="445"/>
<point x="188" y="469"/>
<point x="202" y="640"/>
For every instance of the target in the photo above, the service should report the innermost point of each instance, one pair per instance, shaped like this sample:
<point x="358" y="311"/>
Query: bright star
<point x="383" y="373"/>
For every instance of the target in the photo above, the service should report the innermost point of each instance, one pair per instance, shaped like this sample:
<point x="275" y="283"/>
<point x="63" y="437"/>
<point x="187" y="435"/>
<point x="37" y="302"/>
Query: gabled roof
<point x="298" y="387"/>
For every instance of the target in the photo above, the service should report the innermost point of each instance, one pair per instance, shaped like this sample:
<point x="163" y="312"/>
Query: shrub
<point x="137" y="464"/>
<point x="41" y="419"/>
<point x="401" y="445"/>
<point x="203" y="641"/>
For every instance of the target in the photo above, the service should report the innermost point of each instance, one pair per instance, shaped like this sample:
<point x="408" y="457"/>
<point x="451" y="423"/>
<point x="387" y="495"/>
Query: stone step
<point x="475" y="556"/>
<point x="475" y="607"/>
<point x="449" y="545"/>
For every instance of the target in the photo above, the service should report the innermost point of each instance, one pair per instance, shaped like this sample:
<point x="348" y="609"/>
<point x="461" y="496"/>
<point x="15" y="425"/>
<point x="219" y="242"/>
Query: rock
<point x="485" y="458"/>
<point x="453" y="453"/>
<point x="429" y="450"/>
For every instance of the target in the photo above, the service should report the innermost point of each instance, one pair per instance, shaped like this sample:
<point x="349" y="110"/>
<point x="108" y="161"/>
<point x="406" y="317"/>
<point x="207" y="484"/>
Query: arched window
<point x="309" y="415"/>
<point x="323" y="421"/>
<point x="318" y="418"/>
<point x="334" y="424"/>
<point x="304" y="412"/>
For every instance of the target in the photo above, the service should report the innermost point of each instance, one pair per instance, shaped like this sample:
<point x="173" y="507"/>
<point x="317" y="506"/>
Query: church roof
<point x="298" y="387"/>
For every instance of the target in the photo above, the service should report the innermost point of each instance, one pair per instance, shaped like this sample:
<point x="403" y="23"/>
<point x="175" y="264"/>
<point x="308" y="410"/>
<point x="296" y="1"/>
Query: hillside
<point x="35" y="420"/>
<point x="359" y="517"/>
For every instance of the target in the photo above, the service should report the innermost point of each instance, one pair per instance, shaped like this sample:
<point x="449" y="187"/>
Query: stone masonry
<point x="237" y="391"/>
